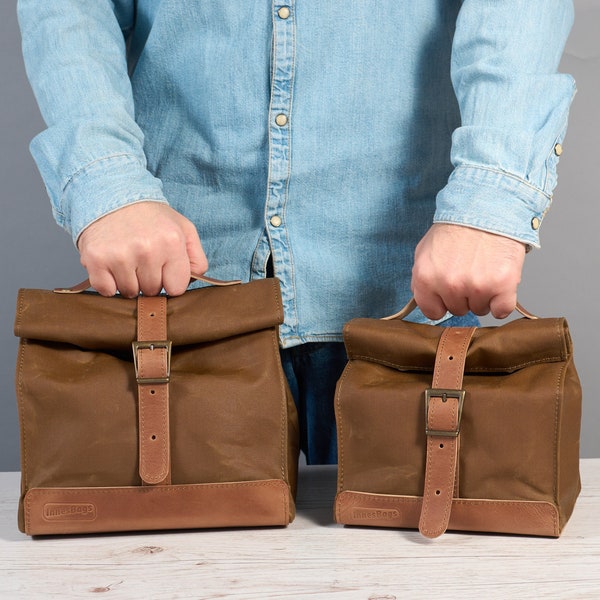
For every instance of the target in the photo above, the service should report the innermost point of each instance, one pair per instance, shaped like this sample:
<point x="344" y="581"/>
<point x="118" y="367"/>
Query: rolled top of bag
<point x="523" y="342"/>
<point x="41" y="315"/>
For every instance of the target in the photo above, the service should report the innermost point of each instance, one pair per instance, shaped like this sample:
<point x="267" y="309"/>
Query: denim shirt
<point x="327" y="135"/>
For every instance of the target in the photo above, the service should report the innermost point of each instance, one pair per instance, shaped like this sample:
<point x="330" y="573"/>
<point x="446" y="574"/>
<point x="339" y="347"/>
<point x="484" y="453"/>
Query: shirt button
<point x="281" y="120"/>
<point x="283" y="12"/>
<point x="535" y="223"/>
<point x="558" y="149"/>
<point x="275" y="220"/>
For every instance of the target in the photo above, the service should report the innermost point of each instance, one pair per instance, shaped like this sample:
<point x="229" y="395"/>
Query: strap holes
<point x="153" y="437"/>
<point x="152" y="314"/>
<point x="437" y="492"/>
<point x="441" y="445"/>
<point x="153" y="391"/>
<point x="451" y="358"/>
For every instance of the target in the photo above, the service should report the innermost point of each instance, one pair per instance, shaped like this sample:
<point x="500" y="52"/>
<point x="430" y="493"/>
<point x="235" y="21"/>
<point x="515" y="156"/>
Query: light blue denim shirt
<point x="327" y="135"/>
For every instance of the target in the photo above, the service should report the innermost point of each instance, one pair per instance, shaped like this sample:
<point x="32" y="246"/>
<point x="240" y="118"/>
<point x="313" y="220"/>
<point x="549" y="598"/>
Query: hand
<point x="144" y="247"/>
<point x="458" y="269"/>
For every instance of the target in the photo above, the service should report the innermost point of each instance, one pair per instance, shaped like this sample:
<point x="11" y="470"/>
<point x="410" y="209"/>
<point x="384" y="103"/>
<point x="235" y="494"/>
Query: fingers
<point x="503" y="305"/>
<point x="127" y="265"/>
<point x="458" y="269"/>
<point x="195" y="252"/>
<point x="129" y="274"/>
<point x="435" y="305"/>
<point x="143" y="248"/>
<point x="176" y="272"/>
<point x="431" y="305"/>
<point x="148" y="277"/>
<point x="176" y="276"/>
<point x="102" y="281"/>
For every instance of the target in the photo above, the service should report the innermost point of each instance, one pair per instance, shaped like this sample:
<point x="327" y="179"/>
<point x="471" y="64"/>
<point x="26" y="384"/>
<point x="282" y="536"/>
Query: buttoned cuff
<point x="493" y="201"/>
<point x="102" y="187"/>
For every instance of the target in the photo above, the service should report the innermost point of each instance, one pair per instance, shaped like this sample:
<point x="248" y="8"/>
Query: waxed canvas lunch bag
<point x="472" y="429"/>
<point x="154" y="413"/>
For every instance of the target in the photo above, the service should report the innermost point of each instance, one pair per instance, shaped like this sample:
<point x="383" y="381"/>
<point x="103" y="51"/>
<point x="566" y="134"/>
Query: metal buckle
<point x="157" y="345"/>
<point x="444" y="395"/>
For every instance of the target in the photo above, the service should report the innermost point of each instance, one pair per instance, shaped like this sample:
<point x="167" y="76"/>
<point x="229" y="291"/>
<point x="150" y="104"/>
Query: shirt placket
<point x="276" y="242"/>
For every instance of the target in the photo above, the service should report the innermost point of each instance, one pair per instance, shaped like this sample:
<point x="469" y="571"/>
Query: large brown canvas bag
<point x="155" y="413"/>
<point x="471" y="429"/>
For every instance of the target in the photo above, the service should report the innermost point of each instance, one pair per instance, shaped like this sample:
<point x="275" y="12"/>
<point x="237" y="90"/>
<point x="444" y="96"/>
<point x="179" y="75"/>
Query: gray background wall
<point x="560" y="279"/>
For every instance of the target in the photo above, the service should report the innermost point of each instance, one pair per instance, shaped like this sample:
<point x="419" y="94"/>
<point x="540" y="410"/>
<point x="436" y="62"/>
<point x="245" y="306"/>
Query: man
<point x="358" y="151"/>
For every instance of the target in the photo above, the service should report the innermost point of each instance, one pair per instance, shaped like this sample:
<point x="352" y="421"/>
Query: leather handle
<point x="411" y="305"/>
<point x="85" y="284"/>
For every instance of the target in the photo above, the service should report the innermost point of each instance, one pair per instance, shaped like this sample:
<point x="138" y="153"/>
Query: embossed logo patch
<point x="63" y="511"/>
<point x="375" y="513"/>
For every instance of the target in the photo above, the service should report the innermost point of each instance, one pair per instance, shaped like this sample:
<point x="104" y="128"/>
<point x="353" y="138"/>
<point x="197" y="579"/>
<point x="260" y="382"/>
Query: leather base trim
<point x="50" y="511"/>
<point x="522" y="517"/>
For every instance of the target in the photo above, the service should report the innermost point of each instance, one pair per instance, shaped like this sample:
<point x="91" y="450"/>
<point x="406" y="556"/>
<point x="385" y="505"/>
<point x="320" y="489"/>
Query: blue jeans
<point x="312" y="371"/>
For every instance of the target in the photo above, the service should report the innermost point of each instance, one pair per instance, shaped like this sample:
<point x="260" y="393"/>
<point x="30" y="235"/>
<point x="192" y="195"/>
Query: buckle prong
<point x="152" y="345"/>
<point x="444" y="394"/>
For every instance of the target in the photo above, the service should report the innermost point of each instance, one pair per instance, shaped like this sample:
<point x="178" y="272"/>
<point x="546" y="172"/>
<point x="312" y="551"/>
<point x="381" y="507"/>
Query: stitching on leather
<point x="452" y="448"/>
<point x="165" y="399"/>
<point x="277" y="294"/>
<point x="556" y="441"/>
<point x="561" y="333"/>
<point x="19" y="313"/>
<point x="27" y="512"/>
<point x="338" y="400"/>
<point x="133" y="490"/>
<point x="509" y="369"/>
<point x="285" y="506"/>
<point x="276" y="291"/>
<point x="146" y="472"/>
<point x="349" y="498"/>
<point x="283" y="425"/>
<point x="426" y="501"/>
<point x="142" y="434"/>
<point x="548" y="508"/>
<point x="457" y="374"/>
<point x="136" y="489"/>
<point x="427" y="498"/>
<point x="438" y="357"/>
<point x="347" y="333"/>
<point x="399" y="499"/>
<point x="559" y="380"/>
<point x="466" y="342"/>
<point x="453" y="445"/>
<point x="22" y="420"/>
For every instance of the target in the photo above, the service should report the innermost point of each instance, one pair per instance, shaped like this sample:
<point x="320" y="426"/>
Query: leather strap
<point x="152" y="358"/>
<point x="412" y="305"/>
<point x="443" y="408"/>
<point x="266" y="502"/>
<point x="86" y="285"/>
<point x="524" y="517"/>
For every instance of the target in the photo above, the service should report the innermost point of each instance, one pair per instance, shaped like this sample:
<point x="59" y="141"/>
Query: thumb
<point x="195" y="252"/>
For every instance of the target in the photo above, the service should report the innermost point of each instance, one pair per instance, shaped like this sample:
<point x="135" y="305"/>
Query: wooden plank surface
<point x="312" y="558"/>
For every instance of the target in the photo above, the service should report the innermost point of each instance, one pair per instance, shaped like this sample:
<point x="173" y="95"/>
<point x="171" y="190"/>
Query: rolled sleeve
<point x="102" y="187"/>
<point x="493" y="201"/>
<point x="91" y="156"/>
<point x="514" y="107"/>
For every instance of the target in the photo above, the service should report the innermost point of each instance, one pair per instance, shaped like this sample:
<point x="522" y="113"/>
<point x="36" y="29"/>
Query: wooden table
<point x="312" y="558"/>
